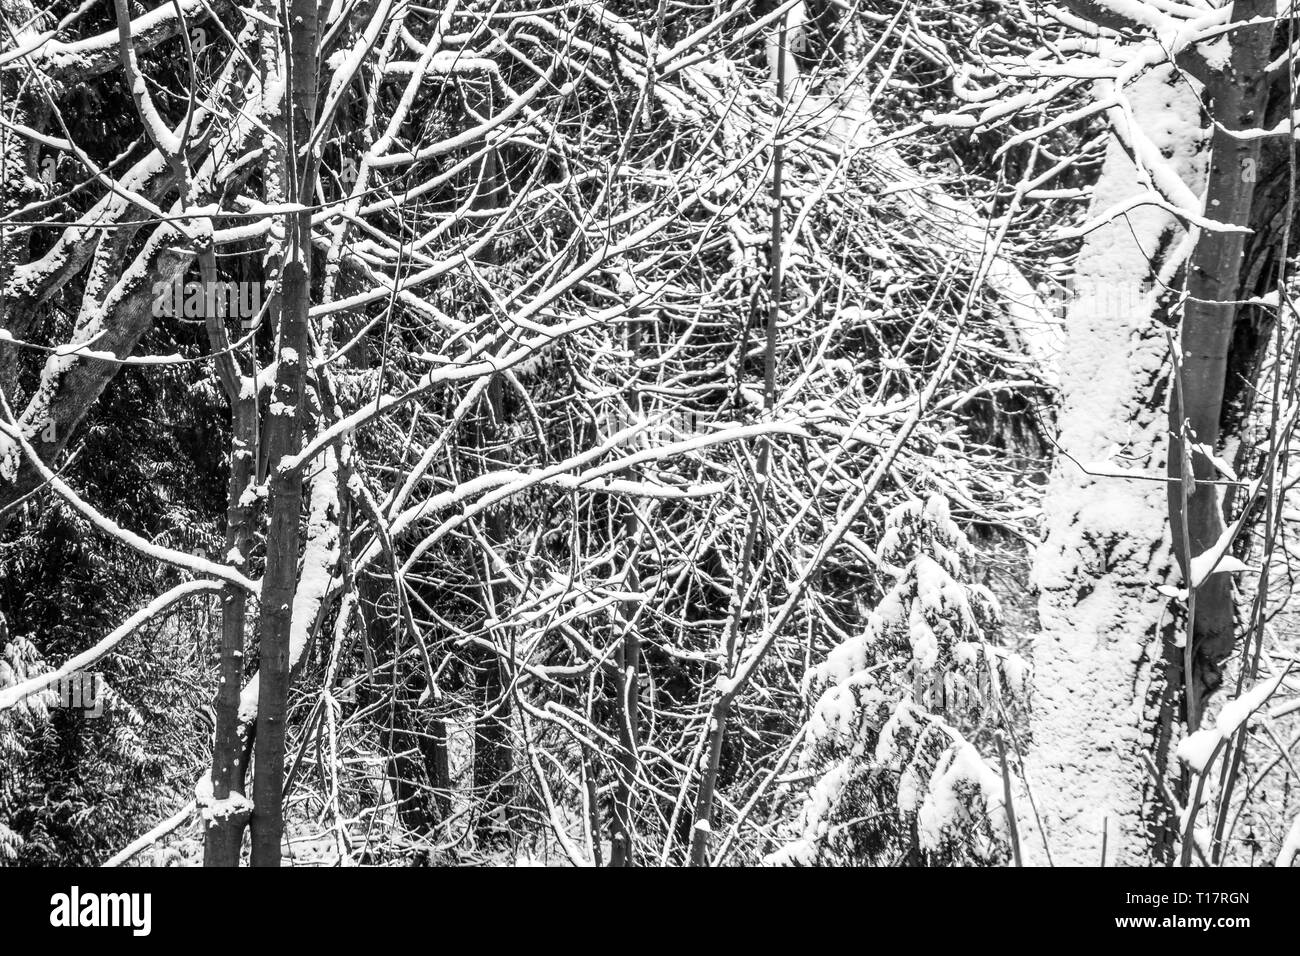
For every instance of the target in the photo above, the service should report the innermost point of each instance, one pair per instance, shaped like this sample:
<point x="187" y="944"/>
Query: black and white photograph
<point x="759" y="434"/>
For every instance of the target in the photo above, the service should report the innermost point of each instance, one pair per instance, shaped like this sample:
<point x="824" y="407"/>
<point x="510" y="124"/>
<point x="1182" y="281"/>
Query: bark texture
<point x="1237" y="93"/>
<point x="1101" y="685"/>
<point x="284" y="438"/>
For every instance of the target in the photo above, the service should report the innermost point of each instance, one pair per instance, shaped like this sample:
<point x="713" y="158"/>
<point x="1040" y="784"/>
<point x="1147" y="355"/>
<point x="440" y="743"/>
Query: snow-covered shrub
<point x="898" y="711"/>
<point x="19" y="661"/>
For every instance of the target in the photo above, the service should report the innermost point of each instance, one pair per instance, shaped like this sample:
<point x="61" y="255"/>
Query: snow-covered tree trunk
<point x="284" y="438"/>
<point x="228" y="815"/>
<point x="1102" y="694"/>
<point x="17" y="189"/>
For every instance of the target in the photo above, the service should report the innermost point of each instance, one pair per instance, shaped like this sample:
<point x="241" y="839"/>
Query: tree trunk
<point x="414" y="757"/>
<point x="628" y="659"/>
<point x="1101" y="666"/>
<point x="1237" y="94"/>
<point x="492" y="747"/>
<point x="17" y="189"/>
<point x="225" y="828"/>
<point x="284" y="437"/>
<point x="493" y="755"/>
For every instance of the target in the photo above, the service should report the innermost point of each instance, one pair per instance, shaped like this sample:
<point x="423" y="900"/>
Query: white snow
<point x="1216" y="560"/>
<point x="320" y="555"/>
<point x="1290" y="850"/>
<point x="1197" y="749"/>
<point x="961" y="781"/>
<point x="1099" y="635"/>
<point x="1217" y="52"/>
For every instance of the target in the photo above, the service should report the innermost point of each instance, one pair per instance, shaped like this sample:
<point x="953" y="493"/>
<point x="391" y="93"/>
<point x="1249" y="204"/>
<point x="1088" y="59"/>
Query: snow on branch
<point x="9" y="696"/>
